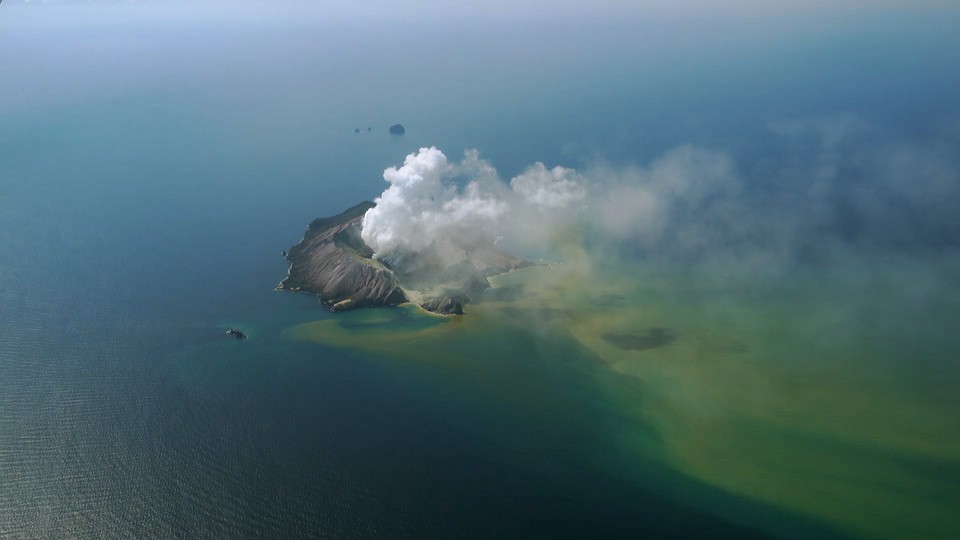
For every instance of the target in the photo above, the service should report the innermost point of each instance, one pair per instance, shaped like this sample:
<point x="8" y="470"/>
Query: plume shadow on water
<point x="615" y="300"/>
<point x="542" y="314"/>
<point x="653" y="338"/>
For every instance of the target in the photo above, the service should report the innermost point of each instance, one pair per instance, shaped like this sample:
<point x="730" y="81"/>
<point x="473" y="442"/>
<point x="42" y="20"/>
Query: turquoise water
<point x="149" y="182"/>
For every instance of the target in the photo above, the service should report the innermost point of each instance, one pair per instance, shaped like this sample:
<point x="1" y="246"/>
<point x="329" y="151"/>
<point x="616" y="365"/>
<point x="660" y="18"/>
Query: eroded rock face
<point x="444" y="305"/>
<point x="333" y="262"/>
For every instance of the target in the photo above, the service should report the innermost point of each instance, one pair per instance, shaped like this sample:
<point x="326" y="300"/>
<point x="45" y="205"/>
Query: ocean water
<point x="151" y="171"/>
<point x="127" y="413"/>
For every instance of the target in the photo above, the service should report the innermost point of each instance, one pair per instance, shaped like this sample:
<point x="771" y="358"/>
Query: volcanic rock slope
<point x="333" y="262"/>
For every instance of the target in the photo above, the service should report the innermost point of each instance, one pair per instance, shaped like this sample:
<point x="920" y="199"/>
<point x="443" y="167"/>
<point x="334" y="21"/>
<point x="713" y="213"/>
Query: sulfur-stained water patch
<point x="826" y="392"/>
<point x="374" y="329"/>
<point x="814" y="390"/>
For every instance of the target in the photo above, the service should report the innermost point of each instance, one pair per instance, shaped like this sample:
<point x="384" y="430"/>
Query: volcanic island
<point x="334" y="263"/>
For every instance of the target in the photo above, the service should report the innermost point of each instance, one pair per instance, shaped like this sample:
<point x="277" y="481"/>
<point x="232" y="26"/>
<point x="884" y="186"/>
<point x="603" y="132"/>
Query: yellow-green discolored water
<point x="823" y="391"/>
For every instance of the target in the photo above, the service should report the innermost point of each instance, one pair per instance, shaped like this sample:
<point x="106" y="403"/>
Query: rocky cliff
<point x="333" y="262"/>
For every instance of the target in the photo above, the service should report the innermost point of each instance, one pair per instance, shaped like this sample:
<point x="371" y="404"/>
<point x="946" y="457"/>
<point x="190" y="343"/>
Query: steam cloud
<point x="833" y="183"/>
<point x="431" y="201"/>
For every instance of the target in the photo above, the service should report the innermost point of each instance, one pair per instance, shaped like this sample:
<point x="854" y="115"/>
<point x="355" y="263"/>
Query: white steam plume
<point x="828" y="186"/>
<point x="431" y="201"/>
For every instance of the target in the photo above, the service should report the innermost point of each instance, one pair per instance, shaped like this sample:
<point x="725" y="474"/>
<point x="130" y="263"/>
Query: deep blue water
<point x="144" y="202"/>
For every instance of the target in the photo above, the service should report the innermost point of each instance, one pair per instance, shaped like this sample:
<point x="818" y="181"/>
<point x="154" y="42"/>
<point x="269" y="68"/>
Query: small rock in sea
<point x="356" y="130"/>
<point x="236" y="333"/>
<point x="397" y="129"/>
<point x="369" y="128"/>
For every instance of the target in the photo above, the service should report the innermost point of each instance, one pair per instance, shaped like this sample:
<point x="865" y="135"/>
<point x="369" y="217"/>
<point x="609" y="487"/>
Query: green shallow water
<point x="806" y="391"/>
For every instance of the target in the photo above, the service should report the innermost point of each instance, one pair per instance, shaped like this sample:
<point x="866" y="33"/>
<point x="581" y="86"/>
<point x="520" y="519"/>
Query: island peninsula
<point x="333" y="262"/>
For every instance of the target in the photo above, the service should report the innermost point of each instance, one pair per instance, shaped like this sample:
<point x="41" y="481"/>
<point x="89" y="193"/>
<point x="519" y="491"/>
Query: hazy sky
<point x="837" y="91"/>
<point x="829" y="40"/>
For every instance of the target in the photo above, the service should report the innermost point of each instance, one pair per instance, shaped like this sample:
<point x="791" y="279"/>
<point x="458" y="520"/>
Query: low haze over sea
<point x="744" y="323"/>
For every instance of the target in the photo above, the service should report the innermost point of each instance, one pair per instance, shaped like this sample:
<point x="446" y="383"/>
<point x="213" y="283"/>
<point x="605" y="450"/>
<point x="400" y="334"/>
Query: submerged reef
<point x="333" y="262"/>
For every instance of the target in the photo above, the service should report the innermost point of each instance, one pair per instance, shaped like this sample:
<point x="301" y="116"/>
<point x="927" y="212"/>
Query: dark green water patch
<point x="615" y="300"/>
<point x="543" y="314"/>
<point x="651" y="339"/>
